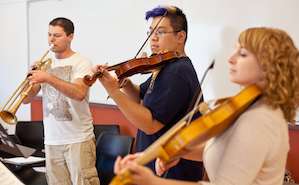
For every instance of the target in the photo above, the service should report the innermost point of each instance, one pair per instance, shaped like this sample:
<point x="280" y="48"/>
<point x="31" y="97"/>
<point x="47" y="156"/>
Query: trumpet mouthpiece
<point x="52" y="45"/>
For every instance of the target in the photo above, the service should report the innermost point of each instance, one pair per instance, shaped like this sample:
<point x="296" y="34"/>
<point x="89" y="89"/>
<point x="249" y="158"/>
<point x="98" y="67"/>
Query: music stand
<point x="7" y="145"/>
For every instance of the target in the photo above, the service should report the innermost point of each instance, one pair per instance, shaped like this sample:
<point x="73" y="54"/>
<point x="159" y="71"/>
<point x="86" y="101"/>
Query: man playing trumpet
<point x="66" y="115"/>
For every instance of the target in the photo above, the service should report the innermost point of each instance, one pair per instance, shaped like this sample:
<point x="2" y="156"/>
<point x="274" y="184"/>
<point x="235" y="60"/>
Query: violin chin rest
<point x="203" y="108"/>
<point x="179" y="54"/>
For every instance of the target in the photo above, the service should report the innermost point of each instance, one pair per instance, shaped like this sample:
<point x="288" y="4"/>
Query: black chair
<point x="108" y="147"/>
<point x="31" y="134"/>
<point x="98" y="129"/>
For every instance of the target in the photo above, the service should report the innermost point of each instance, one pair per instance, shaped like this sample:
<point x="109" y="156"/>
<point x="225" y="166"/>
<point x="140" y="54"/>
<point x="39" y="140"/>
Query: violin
<point x="181" y="138"/>
<point x="136" y="65"/>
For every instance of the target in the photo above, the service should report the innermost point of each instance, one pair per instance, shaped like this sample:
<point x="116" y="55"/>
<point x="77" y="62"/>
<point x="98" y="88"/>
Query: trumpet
<point x="9" y="115"/>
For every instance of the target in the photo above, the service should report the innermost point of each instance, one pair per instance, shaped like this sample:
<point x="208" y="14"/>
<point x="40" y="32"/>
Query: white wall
<point x="13" y="54"/>
<point x="113" y="31"/>
<point x="214" y="29"/>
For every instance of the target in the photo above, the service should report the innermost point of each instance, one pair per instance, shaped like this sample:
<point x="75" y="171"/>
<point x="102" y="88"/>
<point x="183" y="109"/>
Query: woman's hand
<point x="142" y="175"/>
<point x="139" y="174"/>
<point x="161" y="168"/>
<point x="121" y="164"/>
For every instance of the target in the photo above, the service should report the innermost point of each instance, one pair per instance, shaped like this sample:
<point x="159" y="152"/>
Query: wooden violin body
<point x="181" y="139"/>
<point x="138" y="65"/>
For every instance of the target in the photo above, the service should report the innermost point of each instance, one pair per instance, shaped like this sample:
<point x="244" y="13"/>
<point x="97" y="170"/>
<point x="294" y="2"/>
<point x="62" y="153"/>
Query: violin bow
<point x="162" y="18"/>
<point x="145" y="42"/>
<point x="193" y="107"/>
<point x="197" y="96"/>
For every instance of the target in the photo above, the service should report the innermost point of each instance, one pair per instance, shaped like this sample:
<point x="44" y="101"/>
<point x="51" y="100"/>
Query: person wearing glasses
<point x="254" y="149"/>
<point x="163" y="99"/>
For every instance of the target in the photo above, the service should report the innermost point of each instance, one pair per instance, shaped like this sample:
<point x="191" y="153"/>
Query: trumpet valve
<point x="25" y="94"/>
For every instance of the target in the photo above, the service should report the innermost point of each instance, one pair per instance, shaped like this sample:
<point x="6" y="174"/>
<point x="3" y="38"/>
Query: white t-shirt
<point x="67" y="121"/>
<point x="252" y="151"/>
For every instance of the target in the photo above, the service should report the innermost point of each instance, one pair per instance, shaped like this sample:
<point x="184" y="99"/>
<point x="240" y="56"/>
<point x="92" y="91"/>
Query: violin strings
<point x="195" y="109"/>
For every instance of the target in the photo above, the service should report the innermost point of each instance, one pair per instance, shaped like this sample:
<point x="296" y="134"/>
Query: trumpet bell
<point x="8" y="117"/>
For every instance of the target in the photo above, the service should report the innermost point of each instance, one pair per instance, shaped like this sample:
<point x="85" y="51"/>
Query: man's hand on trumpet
<point x="36" y="76"/>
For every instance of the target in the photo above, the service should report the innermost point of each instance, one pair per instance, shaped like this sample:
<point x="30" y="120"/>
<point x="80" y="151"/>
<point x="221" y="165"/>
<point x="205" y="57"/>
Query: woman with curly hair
<point x="254" y="149"/>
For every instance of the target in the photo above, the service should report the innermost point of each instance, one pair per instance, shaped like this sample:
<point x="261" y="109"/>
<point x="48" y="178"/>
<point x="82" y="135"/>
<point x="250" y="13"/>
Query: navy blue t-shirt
<point x="168" y="100"/>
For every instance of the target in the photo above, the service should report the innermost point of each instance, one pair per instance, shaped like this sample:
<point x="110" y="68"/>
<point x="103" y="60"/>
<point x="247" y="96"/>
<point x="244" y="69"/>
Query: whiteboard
<point x="113" y="31"/>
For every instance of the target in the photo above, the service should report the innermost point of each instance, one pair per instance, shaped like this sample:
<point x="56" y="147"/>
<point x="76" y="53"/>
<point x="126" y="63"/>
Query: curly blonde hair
<point x="278" y="57"/>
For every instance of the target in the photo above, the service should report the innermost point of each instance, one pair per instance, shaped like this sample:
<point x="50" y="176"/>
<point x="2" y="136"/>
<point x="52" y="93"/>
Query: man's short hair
<point x="65" y="23"/>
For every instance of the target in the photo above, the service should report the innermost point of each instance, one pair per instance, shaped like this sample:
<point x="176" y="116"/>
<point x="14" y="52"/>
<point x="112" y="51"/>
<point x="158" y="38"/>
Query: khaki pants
<point x="71" y="164"/>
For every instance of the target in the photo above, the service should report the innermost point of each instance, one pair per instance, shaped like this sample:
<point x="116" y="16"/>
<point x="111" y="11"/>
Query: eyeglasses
<point x="160" y="33"/>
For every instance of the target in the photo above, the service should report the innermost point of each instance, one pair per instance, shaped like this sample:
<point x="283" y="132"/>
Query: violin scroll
<point x="89" y="80"/>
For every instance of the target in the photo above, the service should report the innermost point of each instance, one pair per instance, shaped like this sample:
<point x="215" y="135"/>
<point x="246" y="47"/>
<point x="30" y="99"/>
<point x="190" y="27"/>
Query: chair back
<point x="108" y="147"/>
<point x="98" y="129"/>
<point x="31" y="134"/>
